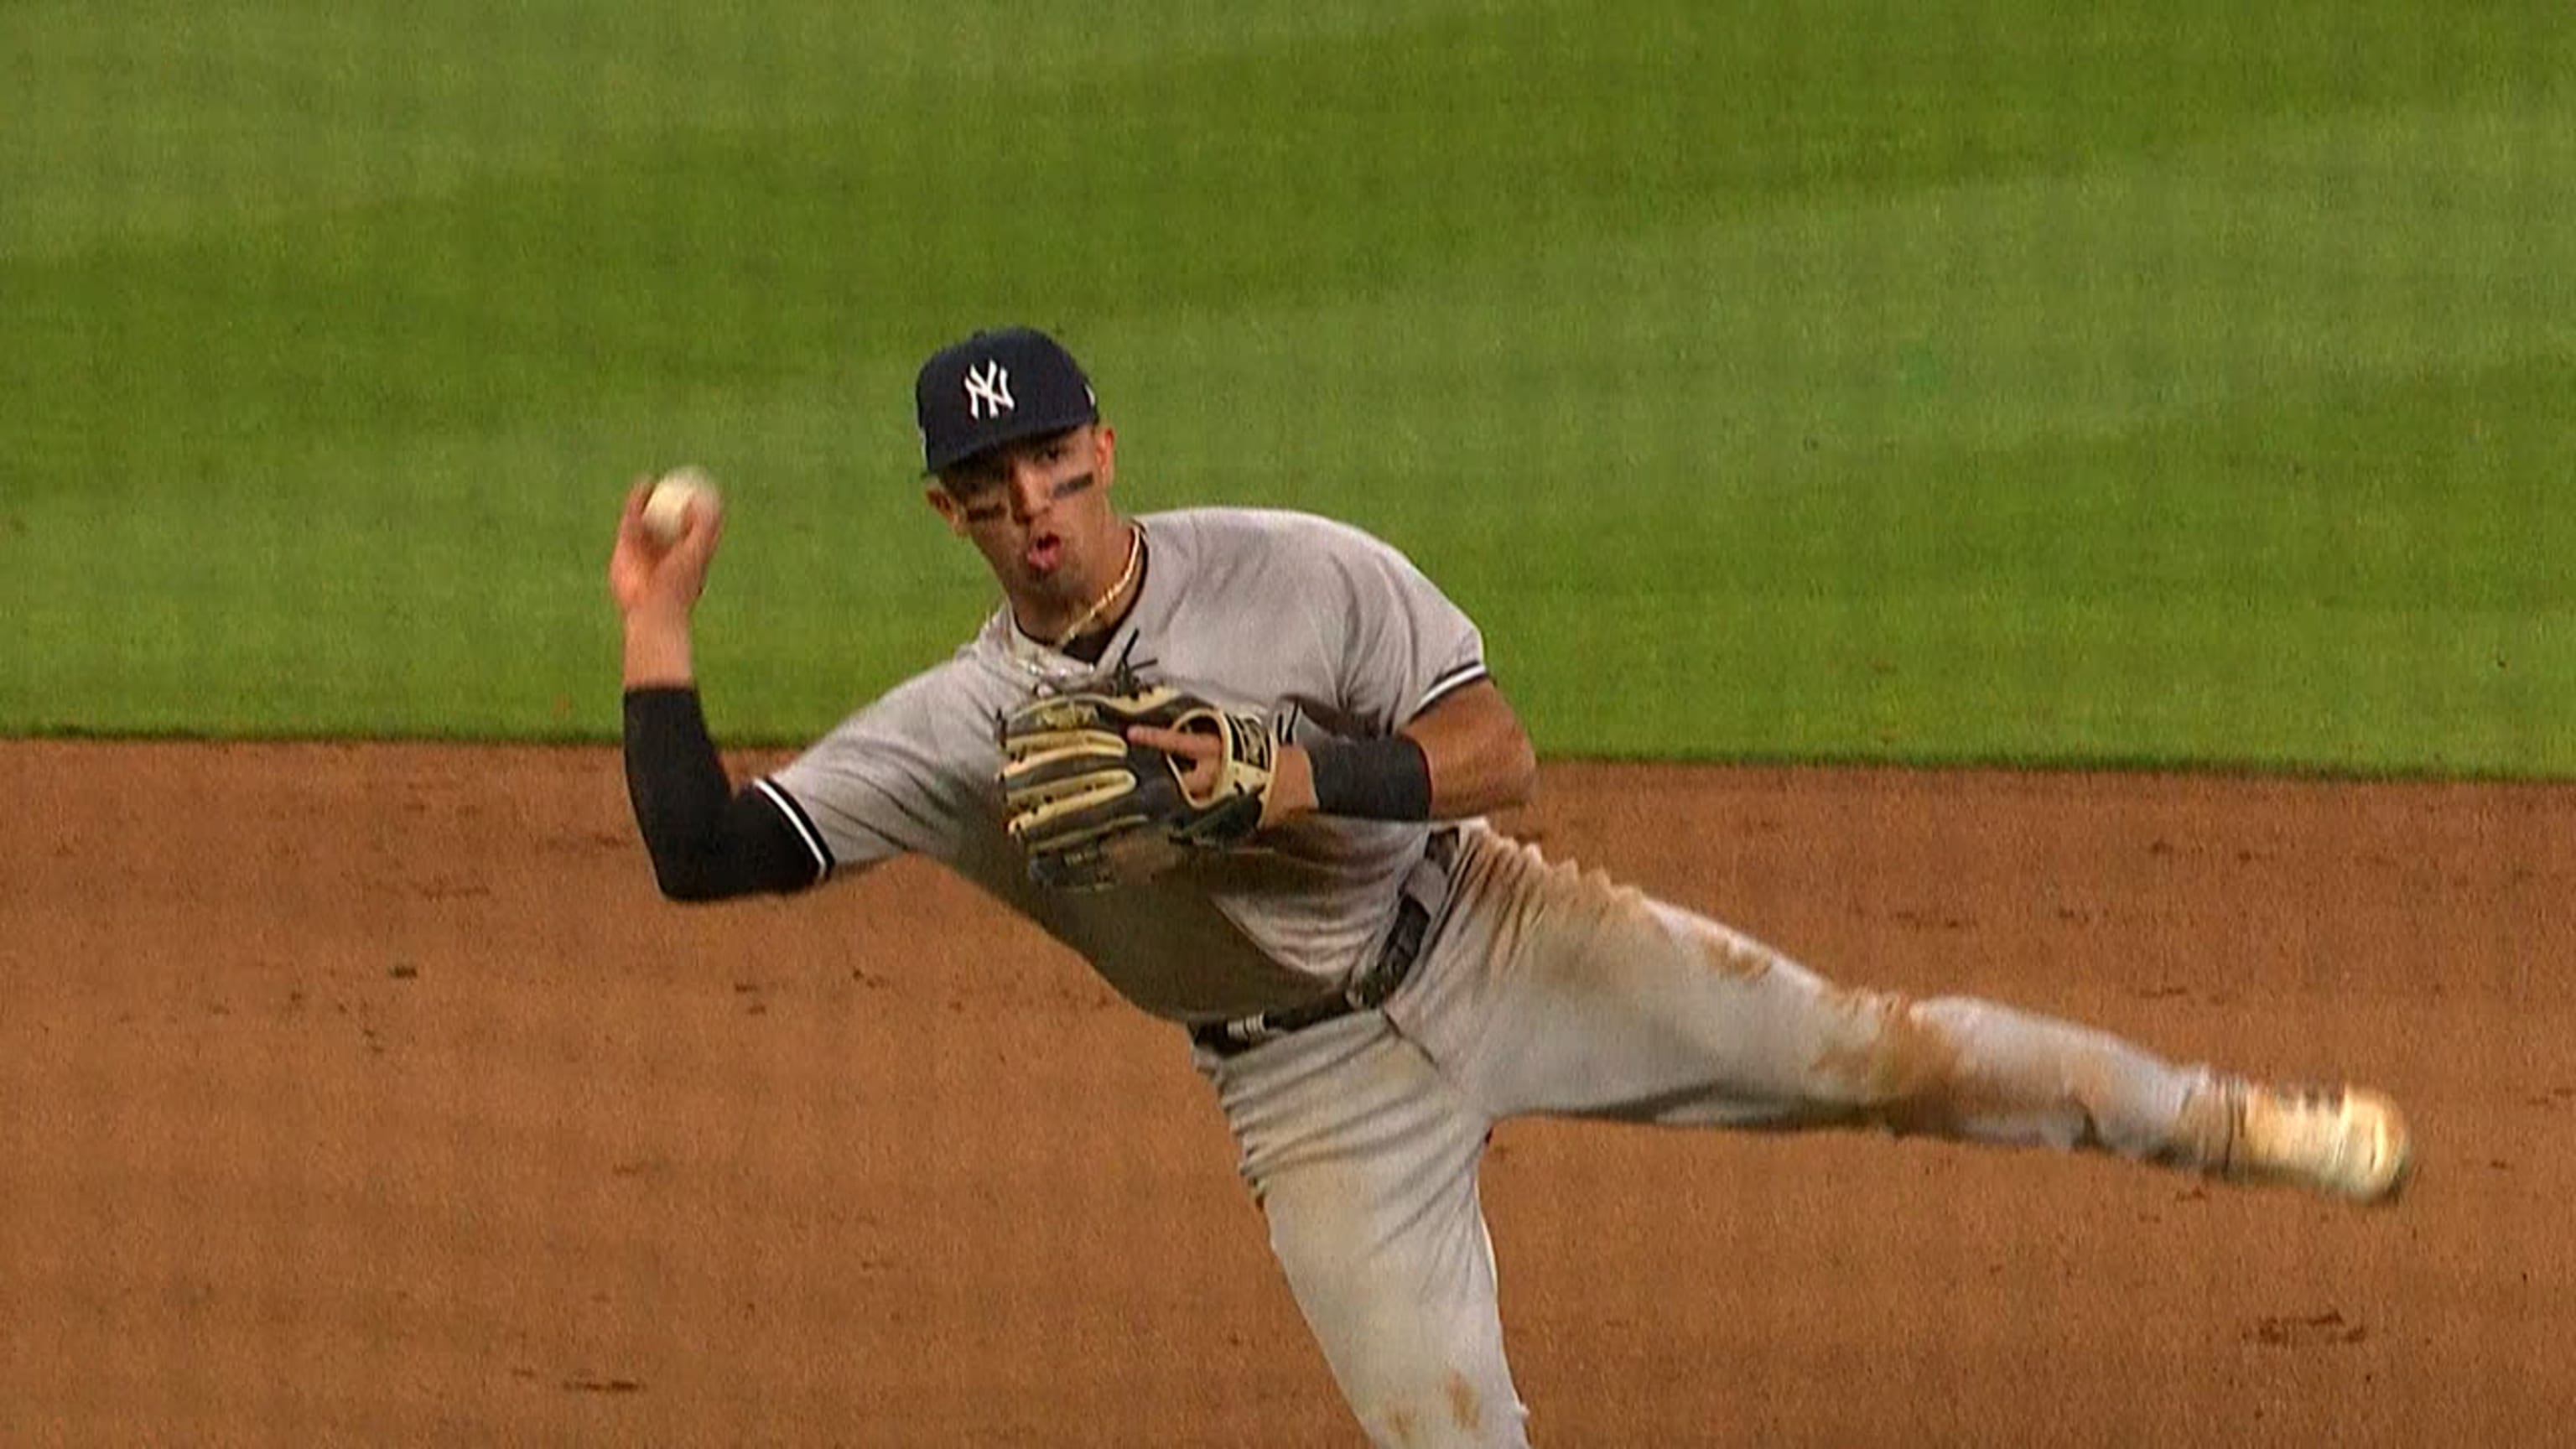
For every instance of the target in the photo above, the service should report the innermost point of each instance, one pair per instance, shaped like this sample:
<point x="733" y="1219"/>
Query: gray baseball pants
<point x="1547" y="990"/>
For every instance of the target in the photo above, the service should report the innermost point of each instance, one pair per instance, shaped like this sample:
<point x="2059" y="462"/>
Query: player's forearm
<point x="676" y="784"/>
<point x="1453" y="777"/>
<point x="707" y="842"/>
<point x="1494" y="774"/>
<point x="1466" y="757"/>
<point x="657" y="651"/>
<point x="1480" y="758"/>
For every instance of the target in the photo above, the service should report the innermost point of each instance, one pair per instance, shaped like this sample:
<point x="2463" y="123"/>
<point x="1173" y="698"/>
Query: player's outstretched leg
<point x="1967" y="1068"/>
<point x="1557" y="991"/>
<point x="1364" y="1161"/>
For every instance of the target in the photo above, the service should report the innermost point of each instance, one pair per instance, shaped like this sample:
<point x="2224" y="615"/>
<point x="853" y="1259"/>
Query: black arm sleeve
<point x="707" y="843"/>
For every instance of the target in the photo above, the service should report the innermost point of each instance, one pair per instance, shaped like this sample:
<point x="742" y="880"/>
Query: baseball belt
<point x="1424" y="895"/>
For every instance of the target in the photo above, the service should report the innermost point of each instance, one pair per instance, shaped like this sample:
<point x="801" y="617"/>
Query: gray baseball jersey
<point x="1327" y="631"/>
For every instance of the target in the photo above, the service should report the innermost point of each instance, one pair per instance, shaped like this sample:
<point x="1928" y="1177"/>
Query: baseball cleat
<point x="2344" y="1142"/>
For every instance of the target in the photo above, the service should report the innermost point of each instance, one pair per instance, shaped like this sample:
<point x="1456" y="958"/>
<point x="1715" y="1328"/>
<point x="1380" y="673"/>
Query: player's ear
<point x="1104" y="454"/>
<point x="945" y="504"/>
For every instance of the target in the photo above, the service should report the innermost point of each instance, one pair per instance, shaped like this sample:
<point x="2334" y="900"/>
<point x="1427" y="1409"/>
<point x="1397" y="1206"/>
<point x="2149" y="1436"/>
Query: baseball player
<point x="1239" y="760"/>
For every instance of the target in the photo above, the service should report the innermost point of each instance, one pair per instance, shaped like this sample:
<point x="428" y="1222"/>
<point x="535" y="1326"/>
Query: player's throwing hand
<point x="647" y="576"/>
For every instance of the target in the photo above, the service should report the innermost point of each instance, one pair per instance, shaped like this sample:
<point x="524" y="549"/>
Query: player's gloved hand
<point x="1096" y="809"/>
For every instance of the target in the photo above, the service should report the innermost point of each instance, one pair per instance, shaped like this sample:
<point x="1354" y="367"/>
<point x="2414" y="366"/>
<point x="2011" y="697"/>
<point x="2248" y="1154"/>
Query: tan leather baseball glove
<point x="1095" y="810"/>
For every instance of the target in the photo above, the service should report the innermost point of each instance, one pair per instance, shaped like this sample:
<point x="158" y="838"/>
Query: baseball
<point x="666" y="508"/>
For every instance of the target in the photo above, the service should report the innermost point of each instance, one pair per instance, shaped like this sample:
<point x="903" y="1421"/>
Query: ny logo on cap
<point x="988" y="393"/>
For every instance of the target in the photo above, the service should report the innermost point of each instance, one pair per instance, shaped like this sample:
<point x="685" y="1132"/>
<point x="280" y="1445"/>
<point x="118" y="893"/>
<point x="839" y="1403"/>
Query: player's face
<point x="1039" y="513"/>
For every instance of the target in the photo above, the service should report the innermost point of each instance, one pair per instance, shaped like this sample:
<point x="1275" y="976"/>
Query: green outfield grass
<point x="2186" y="382"/>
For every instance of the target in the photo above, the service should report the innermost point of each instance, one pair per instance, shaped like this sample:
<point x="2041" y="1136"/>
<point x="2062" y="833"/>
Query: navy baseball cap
<point x="994" y="388"/>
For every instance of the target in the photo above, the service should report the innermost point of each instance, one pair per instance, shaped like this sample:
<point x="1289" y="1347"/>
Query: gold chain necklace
<point x="1126" y="576"/>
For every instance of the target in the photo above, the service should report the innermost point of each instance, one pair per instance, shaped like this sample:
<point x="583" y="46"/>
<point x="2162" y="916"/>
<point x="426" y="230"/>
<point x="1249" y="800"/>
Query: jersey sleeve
<point x="900" y="776"/>
<point x="1404" y="645"/>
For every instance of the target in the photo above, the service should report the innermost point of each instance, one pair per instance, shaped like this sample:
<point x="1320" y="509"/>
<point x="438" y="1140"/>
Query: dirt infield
<point x="369" y="1094"/>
